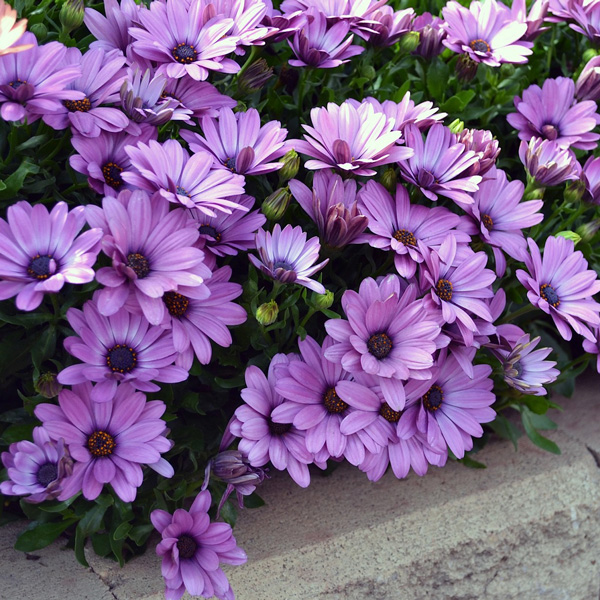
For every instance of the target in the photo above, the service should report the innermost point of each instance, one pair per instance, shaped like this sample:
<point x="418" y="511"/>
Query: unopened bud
<point x="254" y="77"/>
<point x="466" y="68"/>
<point x="369" y="72"/>
<point x="47" y="385"/>
<point x="456" y="126"/>
<point x="569" y="235"/>
<point x="40" y="31"/>
<point x="322" y="301"/>
<point x="409" y="41"/>
<point x="276" y="204"/>
<point x="589" y="54"/>
<point x="71" y="14"/>
<point x="574" y="191"/>
<point x="291" y="165"/>
<point x="389" y="180"/>
<point x="587" y="231"/>
<point x="266" y="314"/>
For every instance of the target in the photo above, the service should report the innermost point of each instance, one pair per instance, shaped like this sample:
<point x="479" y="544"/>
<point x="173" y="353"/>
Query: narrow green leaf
<point x="39" y="536"/>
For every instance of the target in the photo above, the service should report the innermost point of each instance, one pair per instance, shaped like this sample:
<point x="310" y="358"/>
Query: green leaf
<point x="14" y="182"/>
<point x="79" y="547"/>
<point x="537" y="404"/>
<point x="229" y="513"/>
<point x="472" y="464"/>
<point x="140" y="533"/>
<point x="539" y="440"/>
<point x="437" y="79"/>
<point x="39" y="536"/>
<point x="92" y="520"/>
<point x="121" y="531"/>
<point x="253" y="501"/>
<point x="505" y="429"/>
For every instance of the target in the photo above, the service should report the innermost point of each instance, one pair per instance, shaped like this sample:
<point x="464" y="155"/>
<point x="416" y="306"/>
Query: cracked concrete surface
<point x="526" y="528"/>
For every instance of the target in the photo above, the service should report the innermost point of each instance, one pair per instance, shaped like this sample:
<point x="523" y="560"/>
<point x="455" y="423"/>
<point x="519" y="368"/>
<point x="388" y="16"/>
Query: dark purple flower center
<point x="480" y="46"/>
<point x="100" y="444"/>
<point x="47" y="473"/>
<point x="333" y="403"/>
<point x="39" y="267"/>
<point x="121" y="359"/>
<point x="78" y="105"/>
<point x="177" y="304"/>
<point x="182" y="191"/>
<point x="406" y="237"/>
<point x="550" y="131"/>
<point x="184" y="54"/>
<point x="230" y="163"/>
<point x="487" y="221"/>
<point x="112" y="175"/>
<point x="548" y="293"/>
<point x="379" y="345"/>
<point x="15" y="85"/>
<point x="278" y="428"/>
<point x="393" y="416"/>
<point x="444" y="289"/>
<point x="187" y="546"/>
<point x="139" y="264"/>
<point x="433" y="398"/>
<point x="209" y="230"/>
<point x="518" y="367"/>
<point x="281" y="264"/>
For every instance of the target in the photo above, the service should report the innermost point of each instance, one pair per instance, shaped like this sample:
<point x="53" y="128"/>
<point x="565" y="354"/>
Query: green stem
<point x="301" y="86"/>
<point x="551" y="50"/>
<point x="277" y="285"/>
<point x="518" y="313"/>
<point x="248" y="62"/>
<point x="309" y="314"/>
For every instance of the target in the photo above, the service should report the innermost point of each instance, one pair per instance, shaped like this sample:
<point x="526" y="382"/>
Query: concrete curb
<point x="527" y="528"/>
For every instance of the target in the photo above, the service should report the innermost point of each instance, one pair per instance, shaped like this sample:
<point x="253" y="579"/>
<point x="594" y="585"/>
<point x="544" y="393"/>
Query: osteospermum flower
<point x="483" y="143"/>
<point x="112" y="31"/>
<point x="183" y="179"/>
<point x="101" y="78"/>
<point x="152" y="252"/>
<point x="398" y="225"/>
<point x="591" y="177"/>
<point x="238" y="142"/>
<point x="192" y="548"/>
<point x="587" y="86"/>
<point x="388" y="25"/>
<point x="533" y="19"/>
<point x="350" y="139"/>
<point x="388" y="333"/>
<point x="263" y="439"/>
<point x="180" y="38"/>
<point x="592" y="347"/>
<point x="201" y="97"/>
<point x="440" y="164"/>
<point x="432" y="33"/>
<point x="34" y="82"/>
<point x="485" y="33"/>
<point x="11" y="30"/>
<point x="286" y="256"/>
<point x="108" y="441"/>
<point x="560" y="284"/>
<point x="36" y="469"/>
<point x="552" y="113"/>
<point x="332" y="205"/>
<point x="587" y="20"/>
<point x="40" y="251"/>
<point x="247" y="16"/>
<point x="548" y="163"/>
<point x="120" y="348"/>
<point x="452" y="410"/>
<point x="103" y="158"/>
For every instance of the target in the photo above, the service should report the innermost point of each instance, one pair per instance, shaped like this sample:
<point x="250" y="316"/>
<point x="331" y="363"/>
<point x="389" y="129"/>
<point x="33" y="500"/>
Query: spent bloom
<point x="108" y="441"/>
<point x="11" y="30"/>
<point x="548" y="163"/>
<point x="192" y="549"/>
<point x="351" y="139"/>
<point x="552" y="113"/>
<point x="238" y="143"/>
<point x="560" y="284"/>
<point x="286" y="256"/>
<point x="40" y="251"/>
<point x="36" y="469"/>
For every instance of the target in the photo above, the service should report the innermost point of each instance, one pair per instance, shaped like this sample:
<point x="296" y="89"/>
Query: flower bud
<point x="589" y="54"/>
<point x="410" y="41"/>
<point x="266" y="314"/>
<point x="71" y="14"/>
<point x="254" y="77"/>
<point x="47" y="385"/>
<point x="322" y="301"/>
<point x="456" y="126"/>
<point x="574" y="190"/>
<point x="587" y="231"/>
<point x="291" y="165"/>
<point x="276" y="204"/>
<point x="466" y="68"/>
<point x="569" y="235"/>
<point x="389" y="180"/>
<point x="369" y="72"/>
<point x="40" y="31"/>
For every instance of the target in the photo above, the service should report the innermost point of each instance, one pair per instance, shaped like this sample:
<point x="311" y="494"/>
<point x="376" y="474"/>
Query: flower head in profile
<point x="552" y="113"/>
<point x="485" y="33"/>
<point x="238" y="143"/>
<point x="483" y="143"/>
<point x="351" y="139"/>
<point x="587" y="20"/>
<point x="109" y="441"/>
<point x="40" y="251"/>
<point x="560" y="284"/>
<point x="11" y="30"/>
<point x="388" y="25"/>
<point x="36" y="469"/>
<point x="591" y="178"/>
<point x="587" y="86"/>
<point x="192" y="548"/>
<point x="286" y="256"/>
<point x="432" y="33"/>
<point x="548" y="163"/>
<point x="533" y="19"/>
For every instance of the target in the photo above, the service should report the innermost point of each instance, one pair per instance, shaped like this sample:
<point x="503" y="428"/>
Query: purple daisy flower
<point x="102" y="75"/>
<point x="485" y="33"/>
<point x="108" y="441"/>
<point x="238" y="143"/>
<point x="388" y="333"/>
<point x="332" y="205"/>
<point x="352" y="139"/>
<point x="201" y="97"/>
<point x="552" y="113"/>
<point x="560" y="284"/>
<point x="123" y="347"/>
<point x="187" y="180"/>
<point x="452" y="410"/>
<point x="432" y="33"/>
<point x="33" y="82"/>
<point x="321" y="45"/>
<point x="40" y="251"/>
<point x="314" y="406"/>
<point x="587" y="20"/>
<point x="112" y="31"/>
<point x="286" y="256"/>
<point x="548" y="163"/>
<point x="103" y="158"/>
<point x="152" y="252"/>
<point x="498" y="216"/>
<point x="459" y="284"/>
<point x="263" y="439"/>
<point x="587" y="86"/>
<point x="533" y="19"/>
<point x="440" y="165"/>
<point x="591" y="177"/>
<point x="192" y="548"/>
<point x="282" y="25"/>
<point x="389" y="25"/>
<point x="36" y="468"/>
<point x="483" y="143"/>
<point x="184" y="39"/>
<point x="526" y="370"/>
<point x="197" y="315"/>
<point x="398" y="225"/>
